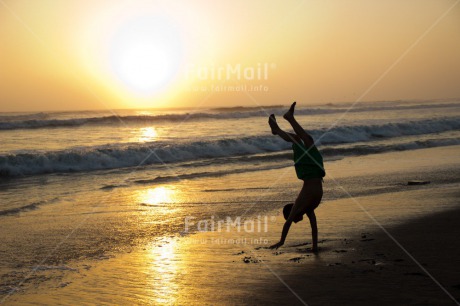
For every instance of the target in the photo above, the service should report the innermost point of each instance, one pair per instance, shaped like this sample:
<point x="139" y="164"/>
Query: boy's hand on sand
<point x="276" y="245"/>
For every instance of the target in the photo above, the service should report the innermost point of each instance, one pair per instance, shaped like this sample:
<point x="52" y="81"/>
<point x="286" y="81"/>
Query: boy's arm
<point x="287" y="225"/>
<point x="284" y="233"/>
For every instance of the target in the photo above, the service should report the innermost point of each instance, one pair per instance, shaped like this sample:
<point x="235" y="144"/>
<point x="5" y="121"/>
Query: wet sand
<point x="358" y="263"/>
<point x="415" y="262"/>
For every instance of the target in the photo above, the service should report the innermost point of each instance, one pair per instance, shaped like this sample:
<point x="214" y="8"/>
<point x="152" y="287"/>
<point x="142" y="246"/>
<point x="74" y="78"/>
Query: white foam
<point x="119" y="156"/>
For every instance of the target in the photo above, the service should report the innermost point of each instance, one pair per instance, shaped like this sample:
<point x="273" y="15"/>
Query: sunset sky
<point x="77" y="55"/>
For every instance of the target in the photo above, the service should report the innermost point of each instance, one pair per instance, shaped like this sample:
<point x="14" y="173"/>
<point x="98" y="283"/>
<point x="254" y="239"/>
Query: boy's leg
<point x="276" y="130"/>
<point x="289" y="137"/>
<point x="289" y="116"/>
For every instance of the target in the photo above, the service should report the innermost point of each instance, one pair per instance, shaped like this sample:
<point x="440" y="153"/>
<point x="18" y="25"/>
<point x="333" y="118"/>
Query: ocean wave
<point x="373" y="149"/>
<point x="23" y="117"/>
<point x="42" y="120"/>
<point x="121" y="156"/>
<point x="24" y="208"/>
<point x="17" y="210"/>
<point x="327" y="153"/>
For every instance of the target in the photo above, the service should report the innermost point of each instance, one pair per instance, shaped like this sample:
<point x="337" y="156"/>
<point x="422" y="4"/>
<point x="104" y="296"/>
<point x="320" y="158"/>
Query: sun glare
<point x="147" y="134"/>
<point x="158" y="196"/>
<point x="145" y="54"/>
<point x="164" y="268"/>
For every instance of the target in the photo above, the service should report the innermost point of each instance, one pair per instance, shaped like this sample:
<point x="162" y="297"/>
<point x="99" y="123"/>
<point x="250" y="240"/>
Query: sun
<point x="145" y="54"/>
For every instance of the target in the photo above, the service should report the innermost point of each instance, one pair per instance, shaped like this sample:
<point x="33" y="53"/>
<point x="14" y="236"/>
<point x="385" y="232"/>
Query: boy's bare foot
<point x="273" y="124"/>
<point x="290" y="113"/>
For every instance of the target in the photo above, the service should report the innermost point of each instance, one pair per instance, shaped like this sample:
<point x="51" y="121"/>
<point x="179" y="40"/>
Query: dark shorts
<point x="308" y="162"/>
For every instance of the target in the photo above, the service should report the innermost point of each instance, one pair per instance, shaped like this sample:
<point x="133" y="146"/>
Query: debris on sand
<point x="295" y="259"/>
<point x="417" y="182"/>
<point x="249" y="259"/>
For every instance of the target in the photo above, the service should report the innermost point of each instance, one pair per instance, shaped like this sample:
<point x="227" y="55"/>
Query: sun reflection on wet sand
<point x="162" y="260"/>
<point x="164" y="267"/>
<point x="158" y="196"/>
<point x="161" y="206"/>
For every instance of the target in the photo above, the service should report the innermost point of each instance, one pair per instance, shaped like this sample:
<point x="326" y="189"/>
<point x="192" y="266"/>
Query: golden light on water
<point x="162" y="259"/>
<point x="161" y="200"/>
<point x="145" y="134"/>
<point x="164" y="268"/>
<point x="157" y="196"/>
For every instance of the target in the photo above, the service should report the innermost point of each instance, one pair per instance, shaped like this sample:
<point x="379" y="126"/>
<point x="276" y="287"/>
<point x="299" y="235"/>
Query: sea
<point x="126" y="147"/>
<point x="87" y="185"/>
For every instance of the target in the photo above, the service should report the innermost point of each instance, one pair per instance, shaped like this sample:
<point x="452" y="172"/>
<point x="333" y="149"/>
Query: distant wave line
<point x="41" y="120"/>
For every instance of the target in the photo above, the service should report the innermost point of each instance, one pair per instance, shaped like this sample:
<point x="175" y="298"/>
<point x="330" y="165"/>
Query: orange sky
<point x="74" y="55"/>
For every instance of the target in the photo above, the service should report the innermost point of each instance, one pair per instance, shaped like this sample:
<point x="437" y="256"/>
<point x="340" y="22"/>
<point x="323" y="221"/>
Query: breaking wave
<point x="132" y="155"/>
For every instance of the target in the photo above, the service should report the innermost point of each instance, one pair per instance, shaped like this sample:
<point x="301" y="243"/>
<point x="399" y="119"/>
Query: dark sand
<point x="374" y="269"/>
